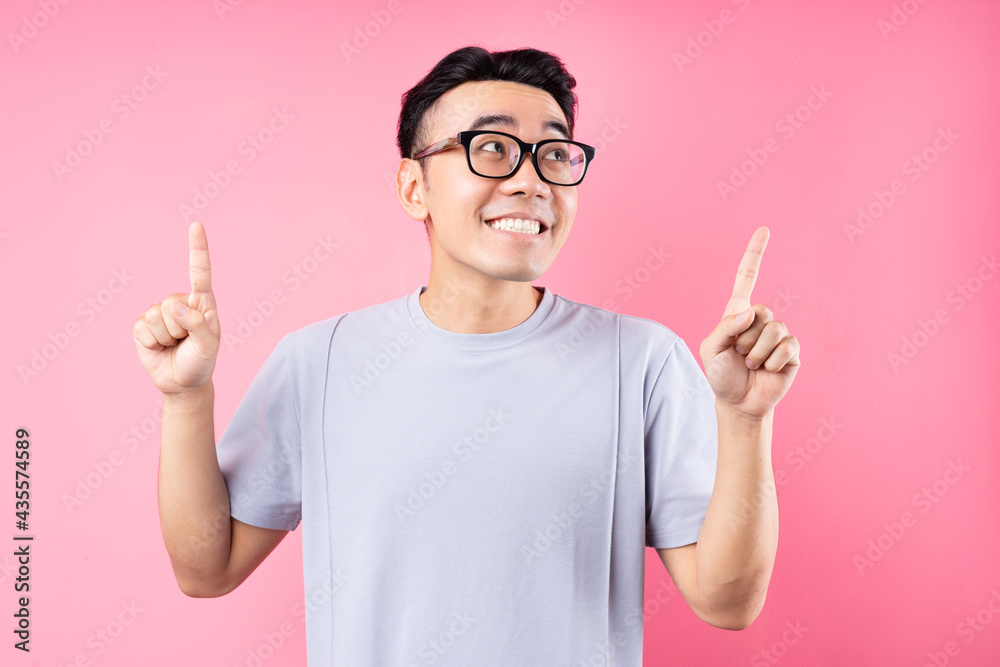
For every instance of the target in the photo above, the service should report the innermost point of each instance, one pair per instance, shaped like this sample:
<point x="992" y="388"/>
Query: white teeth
<point x="516" y="225"/>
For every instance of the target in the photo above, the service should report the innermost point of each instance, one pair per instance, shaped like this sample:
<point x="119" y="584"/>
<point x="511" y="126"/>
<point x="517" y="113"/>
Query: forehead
<point x="532" y="108"/>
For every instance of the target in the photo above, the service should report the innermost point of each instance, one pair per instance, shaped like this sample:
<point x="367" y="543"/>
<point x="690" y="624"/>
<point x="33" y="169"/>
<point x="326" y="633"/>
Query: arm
<point x="210" y="552"/>
<point x="178" y="341"/>
<point x="725" y="574"/>
<point x="750" y="361"/>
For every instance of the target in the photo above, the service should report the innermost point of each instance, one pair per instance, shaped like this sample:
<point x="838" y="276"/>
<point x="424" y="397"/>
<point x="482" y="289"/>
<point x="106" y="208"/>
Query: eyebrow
<point x="510" y="121"/>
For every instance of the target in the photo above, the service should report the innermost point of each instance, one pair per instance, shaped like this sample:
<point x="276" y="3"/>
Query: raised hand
<point x="178" y="339"/>
<point x="750" y="361"/>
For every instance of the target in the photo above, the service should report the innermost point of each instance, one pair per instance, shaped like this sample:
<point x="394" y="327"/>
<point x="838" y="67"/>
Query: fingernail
<point x="744" y="315"/>
<point x="180" y="310"/>
<point x="739" y="348"/>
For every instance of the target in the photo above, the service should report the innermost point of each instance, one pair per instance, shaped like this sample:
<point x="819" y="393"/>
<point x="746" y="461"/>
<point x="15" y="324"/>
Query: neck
<point x="485" y="306"/>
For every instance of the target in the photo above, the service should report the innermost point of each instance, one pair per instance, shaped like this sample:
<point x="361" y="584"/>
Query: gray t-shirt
<point x="475" y="499"/>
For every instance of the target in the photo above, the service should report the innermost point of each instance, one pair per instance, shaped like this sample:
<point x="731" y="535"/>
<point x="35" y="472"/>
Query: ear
<point x="410" y="189"/>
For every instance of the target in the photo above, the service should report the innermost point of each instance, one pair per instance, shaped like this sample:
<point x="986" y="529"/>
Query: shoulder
<point x="632" y="329"/>
<point x="644" y="344"/>
<point x="316" y="336"/>
<point x="640" y="331"/>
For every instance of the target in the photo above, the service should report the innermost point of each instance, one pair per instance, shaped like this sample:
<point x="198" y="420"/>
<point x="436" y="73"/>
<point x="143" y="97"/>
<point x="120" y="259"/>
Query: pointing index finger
<point x="199" y="265"/>
<point x="746" y="274"/>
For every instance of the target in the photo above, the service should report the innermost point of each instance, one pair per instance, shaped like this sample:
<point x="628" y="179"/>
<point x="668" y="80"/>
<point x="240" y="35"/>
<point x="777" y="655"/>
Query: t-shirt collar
<point x="482" y="341"/>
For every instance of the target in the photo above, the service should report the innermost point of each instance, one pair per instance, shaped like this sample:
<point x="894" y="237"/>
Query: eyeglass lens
<point x="496" y="155"/>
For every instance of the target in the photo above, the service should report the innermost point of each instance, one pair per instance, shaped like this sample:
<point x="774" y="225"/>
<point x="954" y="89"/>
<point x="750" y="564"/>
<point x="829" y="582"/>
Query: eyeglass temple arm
<point x="439" y="146"/>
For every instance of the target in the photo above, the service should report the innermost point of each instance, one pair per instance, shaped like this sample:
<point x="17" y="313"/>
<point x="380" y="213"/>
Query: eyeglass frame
<point x="465" y="139"/>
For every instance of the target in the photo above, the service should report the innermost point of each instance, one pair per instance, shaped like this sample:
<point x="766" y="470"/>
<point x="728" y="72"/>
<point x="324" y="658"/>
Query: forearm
<point x="739" y="538"/>
<point x="193" y="498"/>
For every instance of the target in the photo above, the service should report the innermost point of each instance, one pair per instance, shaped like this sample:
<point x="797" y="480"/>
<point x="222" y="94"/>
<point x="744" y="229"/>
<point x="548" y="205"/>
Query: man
<point x="478" y="466"/>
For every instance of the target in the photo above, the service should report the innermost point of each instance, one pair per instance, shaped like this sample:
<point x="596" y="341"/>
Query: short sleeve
<point x="260" y="451"/>
<point x="681" y="447"/>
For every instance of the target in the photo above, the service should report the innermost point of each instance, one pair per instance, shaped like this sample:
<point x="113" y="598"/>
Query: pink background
<point x="877" y="429"/>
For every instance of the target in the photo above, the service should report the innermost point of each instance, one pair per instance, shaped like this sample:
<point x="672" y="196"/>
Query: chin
<point x="519" y="274"/>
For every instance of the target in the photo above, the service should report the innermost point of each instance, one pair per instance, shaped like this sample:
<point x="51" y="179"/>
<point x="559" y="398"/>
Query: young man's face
<point x="459" y="203"/>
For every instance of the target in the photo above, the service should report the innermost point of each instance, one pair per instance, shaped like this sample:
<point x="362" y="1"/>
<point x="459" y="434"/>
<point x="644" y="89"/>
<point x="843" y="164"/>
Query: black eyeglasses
<point x="492" y="154"/>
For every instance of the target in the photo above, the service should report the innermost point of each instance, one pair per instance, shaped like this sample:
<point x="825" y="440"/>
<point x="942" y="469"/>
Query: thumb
<point x="205" y="342"/>
<point x="726" y="332"/>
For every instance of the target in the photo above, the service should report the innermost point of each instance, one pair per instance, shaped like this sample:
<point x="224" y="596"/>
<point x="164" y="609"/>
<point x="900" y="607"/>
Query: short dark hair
<point x="473" y="63"/>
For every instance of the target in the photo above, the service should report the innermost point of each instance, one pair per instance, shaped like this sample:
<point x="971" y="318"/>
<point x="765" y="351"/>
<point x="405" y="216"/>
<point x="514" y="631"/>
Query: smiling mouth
<point x="517" y="225"/>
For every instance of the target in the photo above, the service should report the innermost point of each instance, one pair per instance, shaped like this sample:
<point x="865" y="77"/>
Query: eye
<point x="498" y="144"/>
<point x="556" y="153"/>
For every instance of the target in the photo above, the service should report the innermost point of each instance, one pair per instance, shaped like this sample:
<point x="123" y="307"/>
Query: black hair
<point x="473" y="63"/>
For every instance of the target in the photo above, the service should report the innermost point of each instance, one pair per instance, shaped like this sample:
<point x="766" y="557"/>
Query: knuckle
<point x="168" y="312"/>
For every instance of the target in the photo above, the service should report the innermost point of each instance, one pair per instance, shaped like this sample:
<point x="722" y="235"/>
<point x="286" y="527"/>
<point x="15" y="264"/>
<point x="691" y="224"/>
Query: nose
<point x="526" y="180"/>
